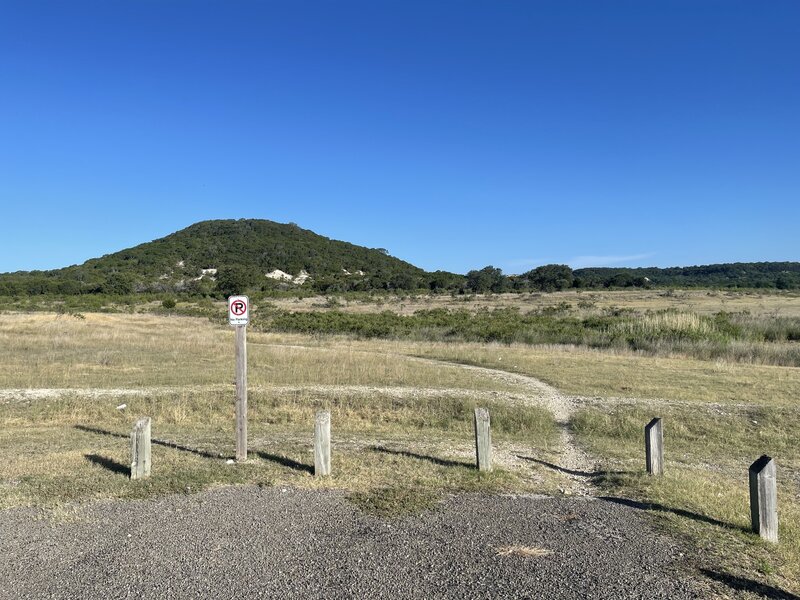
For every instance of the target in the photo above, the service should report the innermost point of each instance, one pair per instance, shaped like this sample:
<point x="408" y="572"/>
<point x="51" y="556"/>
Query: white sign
<point x="238" y="310"/>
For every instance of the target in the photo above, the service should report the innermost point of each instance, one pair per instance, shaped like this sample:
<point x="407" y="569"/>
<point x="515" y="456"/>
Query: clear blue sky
<point x="456" y="134"/>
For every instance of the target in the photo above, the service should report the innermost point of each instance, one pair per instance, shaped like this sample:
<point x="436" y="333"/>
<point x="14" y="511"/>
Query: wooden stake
<point x="241" y="392"/>
<point x="764" y="498"/>
<point x="654" y="447"/>
<point x="322" y="443"/>
<point x="140" y="449"/>
<point x="483" y="440"/>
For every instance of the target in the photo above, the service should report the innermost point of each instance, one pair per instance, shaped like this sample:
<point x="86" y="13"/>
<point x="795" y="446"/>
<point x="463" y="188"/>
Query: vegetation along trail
<point x="575" y="463"/>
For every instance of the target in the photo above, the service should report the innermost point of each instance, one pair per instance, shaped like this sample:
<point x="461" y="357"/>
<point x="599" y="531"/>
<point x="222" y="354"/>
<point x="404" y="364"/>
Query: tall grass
<point x="667" y="325"/>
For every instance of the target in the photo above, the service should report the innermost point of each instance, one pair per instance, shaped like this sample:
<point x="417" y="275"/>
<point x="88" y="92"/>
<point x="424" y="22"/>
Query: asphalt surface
<point x="247" y="542"/>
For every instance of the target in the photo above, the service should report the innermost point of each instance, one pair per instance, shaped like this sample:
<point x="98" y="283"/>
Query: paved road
<point x="242" y="542"/>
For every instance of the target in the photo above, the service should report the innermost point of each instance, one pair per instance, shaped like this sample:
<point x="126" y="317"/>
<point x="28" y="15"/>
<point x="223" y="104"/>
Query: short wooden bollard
<point x="654" y="447"/>
<point x="764" y="499"/>
<point x="483" y="440"/>
<point x="322" y="443"/>
<point x="140" y="449"/>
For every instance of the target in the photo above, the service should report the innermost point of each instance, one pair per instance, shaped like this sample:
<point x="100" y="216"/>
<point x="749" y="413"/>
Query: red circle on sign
<point x="238" y="307"/>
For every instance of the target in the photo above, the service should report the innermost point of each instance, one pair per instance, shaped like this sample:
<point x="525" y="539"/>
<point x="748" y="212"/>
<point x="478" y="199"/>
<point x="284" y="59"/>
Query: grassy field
<point x="703" y="302"/>
<point x="402" y="416"/>
<point x="751" y="335"/>
<point x="43" y="350"/>
<point x="402" y="428"/>
<point x="626" y="374"/>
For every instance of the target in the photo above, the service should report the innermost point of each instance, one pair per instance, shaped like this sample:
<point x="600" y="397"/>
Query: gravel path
<point x="247" y="542"/>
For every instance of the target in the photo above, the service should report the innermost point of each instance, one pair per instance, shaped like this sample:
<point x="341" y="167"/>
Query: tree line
<point x="547" y="278"/>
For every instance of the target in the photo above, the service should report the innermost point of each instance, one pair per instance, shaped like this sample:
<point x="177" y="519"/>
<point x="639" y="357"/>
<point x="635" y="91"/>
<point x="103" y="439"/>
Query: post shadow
<point x="164" y="443"/>
<point x="110" y="464"/>
<point x="285" y="461"/>
<point x="589" y="474"/>
<point x="748" y="585"/>
<point x="676" y="511"/>
<point x="195" y="451"/>
<point x="442" y="462"/>
<point x="100" y="431"/>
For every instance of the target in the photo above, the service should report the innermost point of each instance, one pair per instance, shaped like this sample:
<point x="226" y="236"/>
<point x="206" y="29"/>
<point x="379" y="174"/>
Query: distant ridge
<point x="780" y="275"/>
<point x="225" y="256"/>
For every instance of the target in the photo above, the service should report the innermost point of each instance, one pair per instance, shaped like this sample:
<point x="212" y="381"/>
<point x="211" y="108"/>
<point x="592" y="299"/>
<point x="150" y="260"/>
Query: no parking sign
<point x="238" y="310"/>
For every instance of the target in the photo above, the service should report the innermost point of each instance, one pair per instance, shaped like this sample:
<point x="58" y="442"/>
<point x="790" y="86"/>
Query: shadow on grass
<point x="109" y="464"/>
<point x="748" y="585"/>
<point x="101" y="431"/>
<point x="442" y="462"/>
<point x="589" y="474"/>
<point x="676" y="511"/>
<point x="286" y="462"/>
<point x="164" y="443"/>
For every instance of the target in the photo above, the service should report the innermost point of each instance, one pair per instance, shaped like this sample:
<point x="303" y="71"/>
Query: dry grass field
<point x="401" y="412"/>
<point x="399" y="423"/>
<point x="704" y="302"/>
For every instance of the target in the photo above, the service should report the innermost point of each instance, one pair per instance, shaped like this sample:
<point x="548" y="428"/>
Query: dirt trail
<point x="574" y="462"/>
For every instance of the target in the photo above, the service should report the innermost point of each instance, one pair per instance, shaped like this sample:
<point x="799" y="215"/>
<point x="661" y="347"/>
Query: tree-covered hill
<point x="232" y="256"/>
<point x="226" y="255"/>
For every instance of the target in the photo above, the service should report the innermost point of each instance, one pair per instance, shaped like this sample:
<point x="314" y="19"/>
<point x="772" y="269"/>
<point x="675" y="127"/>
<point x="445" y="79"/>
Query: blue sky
<point x="455" y="134"/>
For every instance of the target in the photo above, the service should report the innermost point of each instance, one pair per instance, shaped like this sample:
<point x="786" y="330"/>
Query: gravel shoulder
<point x="286" y="543"/>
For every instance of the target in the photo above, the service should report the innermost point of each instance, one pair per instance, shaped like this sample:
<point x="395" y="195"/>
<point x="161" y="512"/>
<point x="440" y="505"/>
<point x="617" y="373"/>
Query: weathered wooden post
<point x="322" y="443"/>
<point x="239" y="316"/>
<point x="241" y="392"/>
<point x="654" y="447"/>
<point x="483" y="440"/>
<point x="764" y="499"/>
<point x="140" y="449"/>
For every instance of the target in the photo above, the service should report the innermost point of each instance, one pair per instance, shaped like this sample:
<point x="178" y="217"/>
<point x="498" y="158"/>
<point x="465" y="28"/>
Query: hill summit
<point x="222" y="254"/>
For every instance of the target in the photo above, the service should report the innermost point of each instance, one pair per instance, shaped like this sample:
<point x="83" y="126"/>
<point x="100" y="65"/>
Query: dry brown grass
<point x="699" y="301"/>
<point x="586" y="372"/>
<point x="395" y="419"/>
<point x="129" y="351"/>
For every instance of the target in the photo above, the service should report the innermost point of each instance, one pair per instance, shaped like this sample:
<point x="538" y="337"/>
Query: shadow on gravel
<point x="286" y="462"/>
<point x="442" y="462"/>
<point x="676" y="511"/>
<point x="164" y="443"/>
<point x="109" y="464"/>
<point x="589" y="474"/>
<point x="748" y="585"/>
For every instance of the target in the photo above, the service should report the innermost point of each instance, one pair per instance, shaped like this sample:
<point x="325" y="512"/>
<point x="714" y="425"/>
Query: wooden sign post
<point x="239" y="316"/>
